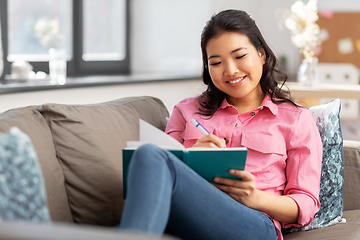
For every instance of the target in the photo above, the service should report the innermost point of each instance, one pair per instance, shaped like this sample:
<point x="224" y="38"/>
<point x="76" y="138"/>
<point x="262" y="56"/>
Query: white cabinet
<point x="343" y="74"/>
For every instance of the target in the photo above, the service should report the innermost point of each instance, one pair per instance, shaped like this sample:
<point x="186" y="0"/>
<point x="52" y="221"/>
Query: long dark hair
<point x="240" y="22"/>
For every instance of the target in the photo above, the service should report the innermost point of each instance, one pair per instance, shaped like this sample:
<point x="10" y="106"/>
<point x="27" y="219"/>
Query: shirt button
<point x="252" y="114"/>
<point x="236" y="124"/>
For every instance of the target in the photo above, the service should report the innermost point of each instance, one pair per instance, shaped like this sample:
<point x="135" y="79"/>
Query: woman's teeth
<point x="237" y="80"/>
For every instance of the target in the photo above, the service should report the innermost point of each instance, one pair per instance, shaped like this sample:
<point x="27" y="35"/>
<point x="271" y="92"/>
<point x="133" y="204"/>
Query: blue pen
<point x="200" y="127"/>
<point x="203" y="130"/>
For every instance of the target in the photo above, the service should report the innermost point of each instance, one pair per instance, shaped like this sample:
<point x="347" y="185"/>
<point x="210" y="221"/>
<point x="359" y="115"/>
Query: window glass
<point x="35" y="26"/>
<point x="104" y="30"/>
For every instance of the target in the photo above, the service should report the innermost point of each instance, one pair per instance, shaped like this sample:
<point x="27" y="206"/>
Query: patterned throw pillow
<point x="22" y="190"/>
<point x="327" y="120"/>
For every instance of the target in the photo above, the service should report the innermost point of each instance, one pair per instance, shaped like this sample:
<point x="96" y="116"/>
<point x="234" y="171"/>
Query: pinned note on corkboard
<point x="343" y="43"/>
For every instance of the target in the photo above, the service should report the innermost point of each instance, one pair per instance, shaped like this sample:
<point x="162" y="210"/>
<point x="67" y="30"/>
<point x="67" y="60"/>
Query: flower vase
<point x="57" y="66"/>
<point x="308" y="74"/>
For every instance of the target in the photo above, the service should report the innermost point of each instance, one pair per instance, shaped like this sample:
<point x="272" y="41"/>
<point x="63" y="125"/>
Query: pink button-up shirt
<point x="285" y="149"/>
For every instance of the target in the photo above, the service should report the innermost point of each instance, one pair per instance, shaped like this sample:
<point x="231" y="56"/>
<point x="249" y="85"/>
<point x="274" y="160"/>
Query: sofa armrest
<point x="27" y="230"/>
<point x="352" y="175"/>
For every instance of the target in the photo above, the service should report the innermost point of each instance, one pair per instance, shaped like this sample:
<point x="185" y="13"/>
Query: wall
<point x="169" y="92"/>
<point x="166" y="34"/>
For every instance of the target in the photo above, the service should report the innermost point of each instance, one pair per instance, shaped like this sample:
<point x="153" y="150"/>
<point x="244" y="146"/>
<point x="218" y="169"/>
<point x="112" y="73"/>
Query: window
<point x="94" y="33"/>
<point x="41" y="25"/>
<point x="104" y="38"/>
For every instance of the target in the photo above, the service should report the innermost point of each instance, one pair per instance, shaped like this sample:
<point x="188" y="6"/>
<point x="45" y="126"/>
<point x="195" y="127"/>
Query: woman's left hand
<point x="243" y="191"/>
<point x="282" y="208"/>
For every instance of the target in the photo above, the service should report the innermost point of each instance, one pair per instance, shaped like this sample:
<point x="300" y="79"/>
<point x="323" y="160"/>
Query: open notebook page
<point x="153" y="135"/>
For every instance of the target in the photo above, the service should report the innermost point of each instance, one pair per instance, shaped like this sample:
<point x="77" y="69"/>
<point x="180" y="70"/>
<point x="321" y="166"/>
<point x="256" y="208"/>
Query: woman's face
<point x="235" y="66"/>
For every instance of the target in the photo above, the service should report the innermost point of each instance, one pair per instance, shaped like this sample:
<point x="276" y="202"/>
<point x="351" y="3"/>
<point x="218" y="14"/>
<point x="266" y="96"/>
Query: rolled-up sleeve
<point x="176" y="124"/>
<point x="303" y="169"/>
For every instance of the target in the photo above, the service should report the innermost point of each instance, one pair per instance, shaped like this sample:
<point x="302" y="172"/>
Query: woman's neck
<point x="247" y="103"/>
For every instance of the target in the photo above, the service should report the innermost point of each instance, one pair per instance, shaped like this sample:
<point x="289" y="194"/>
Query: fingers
<point x="210" y="141"/>
<point x="230" y="190"/>
<point x="228" y="185"/>
<point x="237" y="189"/>
<point x="244" y="175"/>
<point x="243" y="191"/>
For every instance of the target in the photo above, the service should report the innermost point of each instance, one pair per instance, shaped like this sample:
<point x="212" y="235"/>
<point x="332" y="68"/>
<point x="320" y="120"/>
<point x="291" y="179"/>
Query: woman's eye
<point x="214" y="64"/>
<point x="241" y="56"/>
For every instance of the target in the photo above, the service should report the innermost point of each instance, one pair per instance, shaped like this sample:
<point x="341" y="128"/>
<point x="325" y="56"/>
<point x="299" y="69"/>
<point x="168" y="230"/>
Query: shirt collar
<point x="270" y="105"/>
<point x="266" y="103"/>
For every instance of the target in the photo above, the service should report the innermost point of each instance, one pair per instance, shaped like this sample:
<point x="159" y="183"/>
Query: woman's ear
<point x="262" y="56"/>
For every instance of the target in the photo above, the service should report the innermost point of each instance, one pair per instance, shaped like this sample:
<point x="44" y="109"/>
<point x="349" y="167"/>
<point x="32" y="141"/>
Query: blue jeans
<point x="163" y="191"/>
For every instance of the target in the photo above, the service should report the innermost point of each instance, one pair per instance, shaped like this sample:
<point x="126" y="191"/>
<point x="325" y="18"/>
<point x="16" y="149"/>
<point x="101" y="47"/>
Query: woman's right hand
<point x="210" y="141"/>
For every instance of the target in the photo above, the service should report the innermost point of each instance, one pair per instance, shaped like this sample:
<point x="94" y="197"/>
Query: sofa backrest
<point x="80" y="152"/>
<point x="351" y="175"/>
<point x="31" y="122"/>
<point x="88" y="141"/>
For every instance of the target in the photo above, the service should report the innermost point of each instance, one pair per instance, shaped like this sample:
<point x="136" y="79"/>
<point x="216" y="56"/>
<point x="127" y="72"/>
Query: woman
<point x="243" y="103"/>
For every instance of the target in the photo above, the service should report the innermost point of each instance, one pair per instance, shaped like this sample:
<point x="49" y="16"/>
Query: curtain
<point x="1" y="54"/>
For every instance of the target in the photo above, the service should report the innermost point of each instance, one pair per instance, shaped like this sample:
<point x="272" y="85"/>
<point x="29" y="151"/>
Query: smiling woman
<point x="243" y="103"/>
<point x="235" y="67"/>
<point x="245" y="43"/>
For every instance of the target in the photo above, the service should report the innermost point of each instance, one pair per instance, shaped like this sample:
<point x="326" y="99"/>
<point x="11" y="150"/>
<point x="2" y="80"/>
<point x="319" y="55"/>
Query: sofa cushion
<point x="89" y="141"/>
<point x="327" y="120"/>
<point x="22" y="189"/>
<point x="31" y="122"/>
<point x="344" y="231"/>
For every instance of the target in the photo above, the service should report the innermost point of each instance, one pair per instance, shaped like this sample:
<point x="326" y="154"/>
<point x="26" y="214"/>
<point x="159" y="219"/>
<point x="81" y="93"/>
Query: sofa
<point x="79" y="148"/>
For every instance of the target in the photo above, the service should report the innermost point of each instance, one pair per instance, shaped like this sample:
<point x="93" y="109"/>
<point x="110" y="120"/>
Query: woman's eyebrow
<point x="238" y="49"/>
<point x="233" y="51"/>
<point x="213" y="56"/>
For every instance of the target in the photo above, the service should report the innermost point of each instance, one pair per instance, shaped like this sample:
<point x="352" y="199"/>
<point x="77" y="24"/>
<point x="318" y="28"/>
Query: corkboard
<point x="343" y="29"/>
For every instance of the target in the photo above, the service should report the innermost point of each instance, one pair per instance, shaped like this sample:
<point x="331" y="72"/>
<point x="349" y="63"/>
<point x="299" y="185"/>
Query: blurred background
<point x="147" y="37"/>
<point x="164" y="36"/>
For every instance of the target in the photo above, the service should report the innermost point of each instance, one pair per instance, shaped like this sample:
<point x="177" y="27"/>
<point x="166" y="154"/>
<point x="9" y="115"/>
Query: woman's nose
<point x="231" y="69"/>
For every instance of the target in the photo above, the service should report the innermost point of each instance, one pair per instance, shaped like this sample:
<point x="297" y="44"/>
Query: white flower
<point x="305" y="31"/>
<point x="48" y="32"/>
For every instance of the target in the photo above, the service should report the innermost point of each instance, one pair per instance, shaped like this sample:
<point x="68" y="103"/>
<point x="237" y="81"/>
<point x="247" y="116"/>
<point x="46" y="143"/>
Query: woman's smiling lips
<point x="237" y="80"/>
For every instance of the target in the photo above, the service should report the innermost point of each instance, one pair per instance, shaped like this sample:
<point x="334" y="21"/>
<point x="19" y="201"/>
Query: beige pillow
<point x="31" y="122"/>
<point x="89" y="141"/>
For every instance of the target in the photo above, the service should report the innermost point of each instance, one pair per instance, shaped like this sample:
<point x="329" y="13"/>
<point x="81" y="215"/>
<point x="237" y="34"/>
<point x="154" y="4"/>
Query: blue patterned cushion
<point x="22" y="190"/>
<point x="327" y="120"/>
